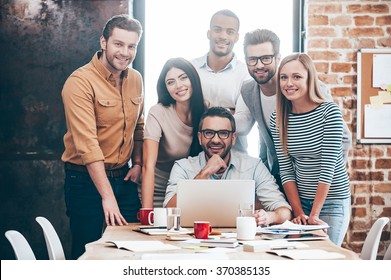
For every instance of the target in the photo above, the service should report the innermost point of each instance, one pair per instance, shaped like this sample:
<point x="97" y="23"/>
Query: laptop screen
<point x="216" y="201"/>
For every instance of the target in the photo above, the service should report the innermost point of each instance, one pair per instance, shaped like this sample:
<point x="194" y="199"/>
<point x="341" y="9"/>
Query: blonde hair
<point x="284" y="106"/>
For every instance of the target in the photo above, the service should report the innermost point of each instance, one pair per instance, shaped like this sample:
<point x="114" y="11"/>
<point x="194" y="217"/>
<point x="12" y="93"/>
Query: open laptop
<point x="216" y="201"/>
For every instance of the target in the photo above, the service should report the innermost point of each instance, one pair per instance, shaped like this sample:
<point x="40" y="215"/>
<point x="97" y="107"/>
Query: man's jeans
<point x="85" y="211"/>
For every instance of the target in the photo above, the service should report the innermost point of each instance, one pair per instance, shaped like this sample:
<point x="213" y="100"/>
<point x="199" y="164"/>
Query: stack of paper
<point x="290" y="228"/>
<point x="224" y="242"/>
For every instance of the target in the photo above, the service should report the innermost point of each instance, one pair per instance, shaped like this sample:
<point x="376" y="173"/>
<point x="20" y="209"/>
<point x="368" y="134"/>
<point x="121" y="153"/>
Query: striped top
<point x="314" y="151"/>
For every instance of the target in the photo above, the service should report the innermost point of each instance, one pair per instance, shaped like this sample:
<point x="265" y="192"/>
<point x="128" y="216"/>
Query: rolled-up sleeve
<point x="81" y="121"/>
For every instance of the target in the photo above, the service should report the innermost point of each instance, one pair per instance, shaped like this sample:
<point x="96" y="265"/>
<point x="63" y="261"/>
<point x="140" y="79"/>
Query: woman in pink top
<point x="171" y="127"/>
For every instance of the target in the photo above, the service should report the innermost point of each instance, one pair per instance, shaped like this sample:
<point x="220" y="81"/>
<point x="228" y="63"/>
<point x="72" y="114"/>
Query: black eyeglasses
<point x="265" y="59"/>
<point x="209" y="133"/>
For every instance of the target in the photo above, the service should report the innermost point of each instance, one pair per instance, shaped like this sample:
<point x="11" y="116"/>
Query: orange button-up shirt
<point x="101" y="123"/>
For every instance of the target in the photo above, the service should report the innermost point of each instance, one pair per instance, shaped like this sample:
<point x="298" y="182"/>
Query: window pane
<point x="179" y="28"/>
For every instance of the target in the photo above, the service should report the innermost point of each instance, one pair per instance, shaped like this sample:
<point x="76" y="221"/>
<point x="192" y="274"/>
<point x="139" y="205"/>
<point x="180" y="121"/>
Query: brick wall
<point x="335" y="31"/>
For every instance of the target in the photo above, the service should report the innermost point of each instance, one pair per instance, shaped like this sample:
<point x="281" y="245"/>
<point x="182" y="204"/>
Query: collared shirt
<point x="241" y="166"/>
<point x="101" y="123"/>
<point x="223" y="88"/>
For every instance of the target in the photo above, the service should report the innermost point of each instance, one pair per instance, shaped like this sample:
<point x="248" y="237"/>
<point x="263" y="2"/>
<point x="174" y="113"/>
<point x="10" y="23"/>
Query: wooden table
<point x="100" y="250"/>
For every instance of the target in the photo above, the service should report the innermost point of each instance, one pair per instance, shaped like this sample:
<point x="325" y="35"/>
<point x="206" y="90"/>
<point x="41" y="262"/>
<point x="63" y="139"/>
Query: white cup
<point x="246" y="228"/>
<point x="159" y="217"/>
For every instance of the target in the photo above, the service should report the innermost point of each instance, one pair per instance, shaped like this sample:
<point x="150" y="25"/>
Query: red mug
<point x="145" y="216"/>
<point x="202" y="229"/>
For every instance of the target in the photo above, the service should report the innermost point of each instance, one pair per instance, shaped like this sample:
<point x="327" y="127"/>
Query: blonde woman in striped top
<point x="307" y="133"/>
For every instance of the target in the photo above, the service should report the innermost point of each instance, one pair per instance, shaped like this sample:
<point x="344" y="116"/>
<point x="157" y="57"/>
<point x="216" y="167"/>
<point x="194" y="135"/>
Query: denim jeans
<point x="85" y="211"/>
<point x="336" y="213"/>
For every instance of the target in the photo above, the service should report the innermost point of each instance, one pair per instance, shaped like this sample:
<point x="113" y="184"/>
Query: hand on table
<point x="112" y="214"/>
<point x="301" y="219"/>
<point x="262" y="218"/>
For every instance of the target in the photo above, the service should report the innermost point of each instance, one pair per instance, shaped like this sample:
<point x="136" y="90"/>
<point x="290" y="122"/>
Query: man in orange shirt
<point x="103" y="102"/>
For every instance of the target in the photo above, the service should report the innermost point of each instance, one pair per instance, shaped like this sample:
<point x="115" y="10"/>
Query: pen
<point x="283" y="248"/>
<point x="159" y="227"/>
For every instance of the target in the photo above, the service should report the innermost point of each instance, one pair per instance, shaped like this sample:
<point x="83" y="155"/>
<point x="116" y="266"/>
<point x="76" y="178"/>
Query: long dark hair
<point x="197" y="104"/>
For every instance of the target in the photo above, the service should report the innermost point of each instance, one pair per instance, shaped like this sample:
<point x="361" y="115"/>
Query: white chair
<point x="20" y="245"/>
<point x="387" y="255"/>
<point x="53" y="242"/>
<point x="371" y="243"/>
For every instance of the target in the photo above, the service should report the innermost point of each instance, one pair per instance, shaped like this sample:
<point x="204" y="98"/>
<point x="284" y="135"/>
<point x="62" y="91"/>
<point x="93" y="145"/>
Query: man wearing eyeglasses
<point x="217" y="135"/>
<point x="262" y="54"/>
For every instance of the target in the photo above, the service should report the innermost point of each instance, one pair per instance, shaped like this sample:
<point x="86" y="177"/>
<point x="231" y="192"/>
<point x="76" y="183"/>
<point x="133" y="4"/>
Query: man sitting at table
<point x="217" y="161"/>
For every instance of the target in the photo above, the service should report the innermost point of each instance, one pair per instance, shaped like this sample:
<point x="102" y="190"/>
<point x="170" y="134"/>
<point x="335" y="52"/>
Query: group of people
<point x="198" y="129"/>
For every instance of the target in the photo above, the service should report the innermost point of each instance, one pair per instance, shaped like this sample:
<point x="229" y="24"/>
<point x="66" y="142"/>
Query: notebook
<point x="216" y="201"/>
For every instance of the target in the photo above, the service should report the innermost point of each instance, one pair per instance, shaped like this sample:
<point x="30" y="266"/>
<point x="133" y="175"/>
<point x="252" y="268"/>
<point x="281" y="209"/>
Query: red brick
<point x="367" y="9"/>
<point x="322" y="67"/>
<point x="382" y="188"/>
<point x="384" y="42"/>
<point x="341" y="21"/>
<point x="342" y="43"/>
<point x="324" y="55"/>
<point x="328" y="78"/>
<point x="366" y="43"/>
<point x="321" y="32"/>
<point x="360" y="201"/>
<point x="389" y="151"/>
<point x="340" y="67"/>
<point x="361" y="188"/>
<point x="314" y="9"/>
<point x="358" y="236"/>
<point x="360" y="32"/>
<point x="360" y="164"/>
<point x="383" y="163"/>
<point x="368" y="151"/>
<point x="363" y="20"/>
<point x="317" y="20"/>
<point x="356" y="247"/>
<point x="386" y="212"/>
<point x="350" y="79"/>
<point x="389" y="30"/>
<point x="367" y="176"/>
<point x="342" y="91"/>
<point x="359" y="225"/>
<point x="318" y="43"/>
<point x="376" y="200"/>
<point x="351" y="57"/>
<point x="383" y="20"/>
<point x="359" y="212"/>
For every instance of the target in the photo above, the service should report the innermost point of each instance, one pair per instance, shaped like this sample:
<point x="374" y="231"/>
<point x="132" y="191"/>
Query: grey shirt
<point x="241" y="166"/>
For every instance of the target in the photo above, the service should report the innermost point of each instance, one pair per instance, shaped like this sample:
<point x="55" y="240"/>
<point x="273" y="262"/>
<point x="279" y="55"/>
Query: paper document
<point x="289" y="226"/>
<point x="307" y="254"/>
<point x="143" y="246"/>
<point x="381" y="70"/>
<point x="263" y="245"/>
<point x="377" y="121"/>
<point x="212" y="256"/>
